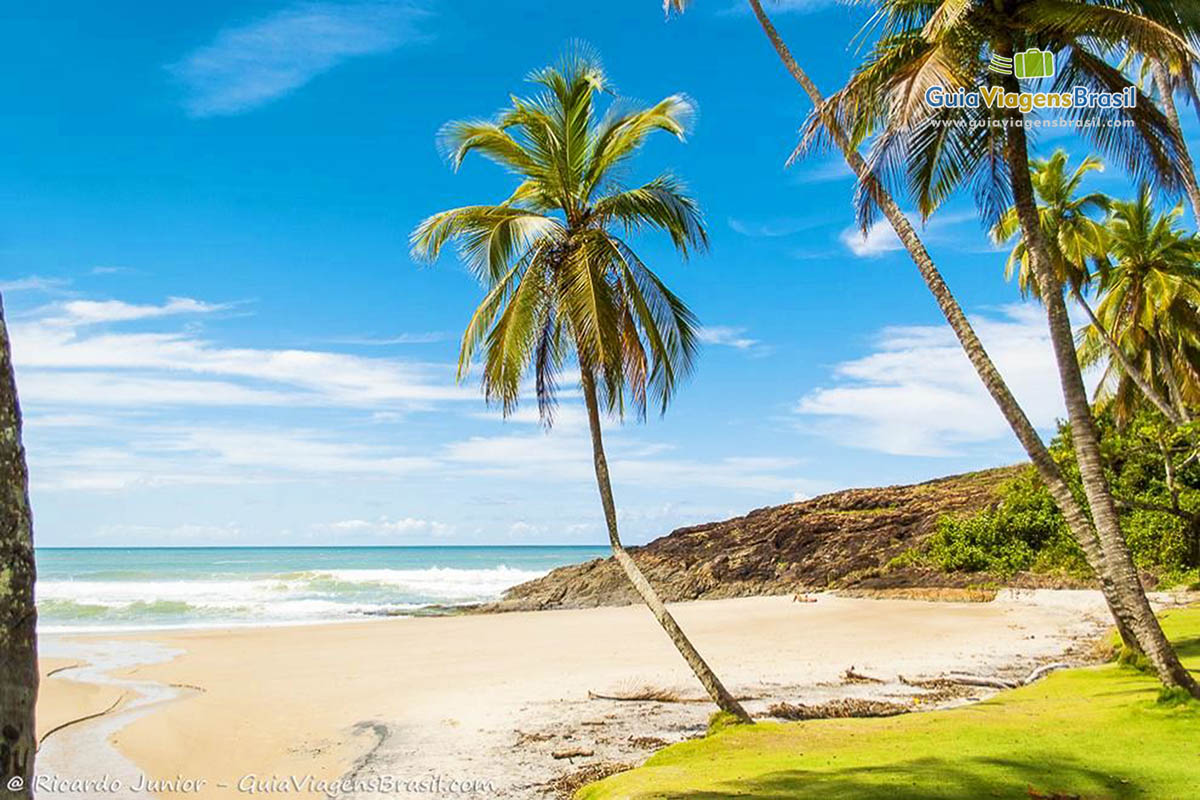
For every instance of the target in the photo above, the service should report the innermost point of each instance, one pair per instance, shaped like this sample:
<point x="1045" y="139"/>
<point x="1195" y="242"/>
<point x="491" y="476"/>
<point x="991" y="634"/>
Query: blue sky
<point x="221" y="339"/>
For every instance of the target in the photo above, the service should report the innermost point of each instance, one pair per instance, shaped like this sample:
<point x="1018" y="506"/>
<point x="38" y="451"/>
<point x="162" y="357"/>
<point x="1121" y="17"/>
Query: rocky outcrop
<point x="838" y="540"/>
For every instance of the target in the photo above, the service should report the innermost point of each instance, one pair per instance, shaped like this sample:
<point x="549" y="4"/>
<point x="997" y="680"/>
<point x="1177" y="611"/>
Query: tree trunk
<point x="1186" y="167"/>
<point x="18" y="634"/>
<point x="1084" y="435"/>
<point x="1077" y="520"/>
<point x="712" y="684"/>
<point x="1129" y="369"/>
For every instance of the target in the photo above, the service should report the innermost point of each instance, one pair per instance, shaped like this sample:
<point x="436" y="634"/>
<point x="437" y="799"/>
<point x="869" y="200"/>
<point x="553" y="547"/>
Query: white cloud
<point x="880" y="238"/>
<point x="727" y="336"/>
<point x="250" y="65"/>
<point x="774" y="227"/>
<point x="33" y="283"/>
<point x="67" y="355"/>
<point x="91" y="312"/>
<point x="169" y="410"/>
<point x="565" y="454"/>
<point x="918" y="395"/>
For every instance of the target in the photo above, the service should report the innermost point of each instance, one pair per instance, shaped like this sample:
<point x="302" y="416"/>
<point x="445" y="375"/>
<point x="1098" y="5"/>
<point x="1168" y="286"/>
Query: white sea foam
<point x="308" y="596"/>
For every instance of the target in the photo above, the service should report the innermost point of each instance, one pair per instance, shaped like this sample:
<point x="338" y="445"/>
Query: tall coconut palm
<point x="1076" y="239"/>
<point x="563" y="281"/>
<point x="1076" y="518"/>
<point x="1158" y="73"/>
<point x="934" y="152"/>
<point x="1150" y="305"/>
<point x="1165" y="82"/>
<point x="18" y="615"/>
<point x="1071" y="223"/>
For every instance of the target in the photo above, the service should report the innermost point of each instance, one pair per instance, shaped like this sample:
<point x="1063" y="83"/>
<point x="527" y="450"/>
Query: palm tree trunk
<point x="712" y="684"/>
<point x="1186" y="167"/>
<point x="1084" y="435"/>
<point x="1127" y="366"/>
<point x="1076" y="519"/>
<point x="18" y="616"/>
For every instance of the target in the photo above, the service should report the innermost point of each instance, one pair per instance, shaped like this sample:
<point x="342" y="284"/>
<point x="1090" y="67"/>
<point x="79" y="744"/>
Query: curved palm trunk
<point x="1077" y="521"/>
<point x="18" y="616"/>
<point x="712" y="684"/>
<point x="1084" y="435"/>
<point x="1186" y="166"/>
<point x="1176" y="416"/>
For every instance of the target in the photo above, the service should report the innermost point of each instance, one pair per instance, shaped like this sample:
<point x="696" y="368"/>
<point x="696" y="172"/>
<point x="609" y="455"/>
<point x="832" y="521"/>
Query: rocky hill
<point x="838" y="540"/>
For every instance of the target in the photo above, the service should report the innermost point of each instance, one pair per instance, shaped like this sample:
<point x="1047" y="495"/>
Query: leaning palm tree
<point x="1076" y="518"/>
<point x="933" y="152"/>
<point x="1149" y="71"/>
<point x="1075" y="239"/>
<point x="562" y="279"/>
<point x="18" y="616"/>
<point x="1167" y="85"/>
<point x="1150" y="306"/>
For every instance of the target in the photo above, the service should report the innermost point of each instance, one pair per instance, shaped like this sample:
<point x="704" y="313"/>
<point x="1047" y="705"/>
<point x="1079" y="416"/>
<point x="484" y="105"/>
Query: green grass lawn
<point x="1097" y="732"/>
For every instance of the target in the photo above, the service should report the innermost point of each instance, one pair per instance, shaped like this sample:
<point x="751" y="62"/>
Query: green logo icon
<point x="1032" y="63"/>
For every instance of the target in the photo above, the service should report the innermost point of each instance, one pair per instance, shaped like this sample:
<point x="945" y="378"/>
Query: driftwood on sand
<point x="962" y="679"/>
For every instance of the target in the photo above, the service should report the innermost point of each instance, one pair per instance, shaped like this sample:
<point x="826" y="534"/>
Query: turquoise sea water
<point x="128" y="588"/>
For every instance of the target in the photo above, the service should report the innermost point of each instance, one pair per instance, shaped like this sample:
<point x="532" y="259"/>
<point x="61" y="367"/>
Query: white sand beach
<point x="490" y="699"/>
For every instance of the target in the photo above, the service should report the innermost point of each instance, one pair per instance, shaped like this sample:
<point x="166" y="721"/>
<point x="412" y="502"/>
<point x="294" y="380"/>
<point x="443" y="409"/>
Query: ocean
<point x="114" y="589"/>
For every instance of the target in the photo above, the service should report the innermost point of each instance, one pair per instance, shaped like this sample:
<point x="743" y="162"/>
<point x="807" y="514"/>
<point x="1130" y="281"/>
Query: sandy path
<point x="488" y="698"/>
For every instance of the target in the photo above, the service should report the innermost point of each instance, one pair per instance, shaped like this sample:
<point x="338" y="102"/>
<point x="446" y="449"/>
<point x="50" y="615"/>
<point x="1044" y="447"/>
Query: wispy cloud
<point x="92" y="312"/>
<point x="917" y="394"/>
<point x="77" y="352"/>
<point x="775" y="226"/>
<point x="730" y="336"/>
<point x="33" y="283"/>
<point x="881" y="238"/>
<point x="428" y="337"/>
<point x="828" y="171"/>
<point x="250" y="65"/>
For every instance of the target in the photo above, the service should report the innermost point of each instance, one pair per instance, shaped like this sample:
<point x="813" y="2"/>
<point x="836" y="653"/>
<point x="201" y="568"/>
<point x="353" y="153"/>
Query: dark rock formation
<point x="838" y="540"/>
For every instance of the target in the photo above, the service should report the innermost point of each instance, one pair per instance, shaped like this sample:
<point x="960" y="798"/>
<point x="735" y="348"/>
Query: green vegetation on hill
<point x="1097" y="732"/>
<point x="1154" y="468"/>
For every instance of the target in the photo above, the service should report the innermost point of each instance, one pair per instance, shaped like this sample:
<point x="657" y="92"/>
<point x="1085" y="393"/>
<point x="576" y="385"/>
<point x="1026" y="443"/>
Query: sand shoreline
<point x="490" y="700"/>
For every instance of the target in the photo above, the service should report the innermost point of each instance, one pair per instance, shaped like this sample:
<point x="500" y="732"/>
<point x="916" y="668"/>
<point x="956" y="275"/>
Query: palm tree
<point x="933" y="152"/>
<point x="1165" y="82"/>
<point x="1074" y="238"/>
<point x="1076" y="518"/>
<point x="1073" y="234"/>
<point x="562" y="280"/>
<point x="18" y="615"/>
<point x="1159" y="73"/>
<point x="1150" y="305"/>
